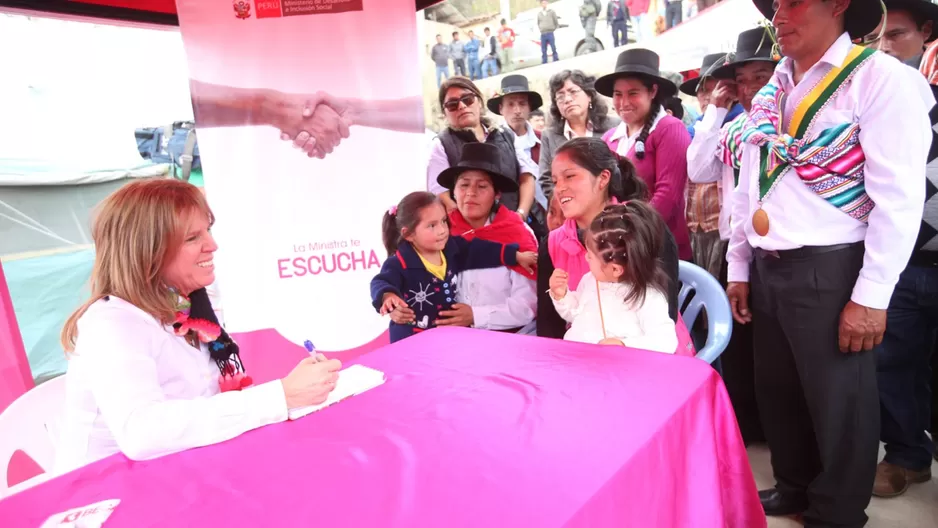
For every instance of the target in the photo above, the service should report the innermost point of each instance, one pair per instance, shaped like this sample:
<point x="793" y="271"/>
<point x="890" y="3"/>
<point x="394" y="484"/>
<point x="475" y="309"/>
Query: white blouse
<point x="135" y="387"/>
<point x="500" y="299"/>
<point x="648" y="326"/>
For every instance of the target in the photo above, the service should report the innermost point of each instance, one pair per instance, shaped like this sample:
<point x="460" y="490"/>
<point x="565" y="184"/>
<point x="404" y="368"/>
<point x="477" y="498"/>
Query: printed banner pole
<point x="310" y="123"/>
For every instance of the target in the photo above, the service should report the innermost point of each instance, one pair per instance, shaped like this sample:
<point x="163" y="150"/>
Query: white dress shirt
<point x="525" y="142"/>
<point x="569" y="133"/>
<point x="891" y="106"/>
<point x="648" y="327"/>
<point x="523" y="145"/>
<point x="704" y="165"/>
<point x="439" y="162"/>
<point x="621" y="133"/>
<point x="135" y="387"/>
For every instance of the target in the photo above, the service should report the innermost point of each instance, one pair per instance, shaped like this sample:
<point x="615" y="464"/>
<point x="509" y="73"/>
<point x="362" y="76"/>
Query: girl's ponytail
<point x="631" y="235"/>
<point x="404" y="216"/>
<point x="626" y="184"/>
<point x="390" y="234"/>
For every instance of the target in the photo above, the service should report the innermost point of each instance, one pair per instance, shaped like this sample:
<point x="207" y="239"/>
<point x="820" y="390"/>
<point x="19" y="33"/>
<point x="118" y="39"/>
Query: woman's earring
<point x="591" y="105"/>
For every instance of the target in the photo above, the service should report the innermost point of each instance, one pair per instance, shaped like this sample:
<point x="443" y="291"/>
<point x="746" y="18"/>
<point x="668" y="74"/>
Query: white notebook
<point x="353" y="380"/>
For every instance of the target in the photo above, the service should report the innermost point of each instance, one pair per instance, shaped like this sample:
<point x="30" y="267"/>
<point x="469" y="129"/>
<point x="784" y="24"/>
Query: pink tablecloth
<point x="472" y="428"/>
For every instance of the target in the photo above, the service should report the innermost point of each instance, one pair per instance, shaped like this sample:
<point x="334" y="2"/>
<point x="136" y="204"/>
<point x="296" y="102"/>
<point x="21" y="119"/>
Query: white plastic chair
<point x="708" y="295"/>
<point x="31" y="424"/>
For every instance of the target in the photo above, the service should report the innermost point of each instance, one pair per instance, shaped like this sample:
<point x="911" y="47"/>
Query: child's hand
<point x="558" y="284"/>
<point x="611" y="341"/>
<point x="527" y="260"/>
<point x="392" y="301"/>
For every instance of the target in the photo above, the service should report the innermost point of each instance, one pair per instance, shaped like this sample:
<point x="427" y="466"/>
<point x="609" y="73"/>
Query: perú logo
<point x="242" y="9"/>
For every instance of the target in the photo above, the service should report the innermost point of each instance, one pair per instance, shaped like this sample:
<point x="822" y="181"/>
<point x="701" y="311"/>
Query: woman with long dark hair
<point x="576" y="110"/>
<point x="653" y="140"/>
<point x="587" y="177"/>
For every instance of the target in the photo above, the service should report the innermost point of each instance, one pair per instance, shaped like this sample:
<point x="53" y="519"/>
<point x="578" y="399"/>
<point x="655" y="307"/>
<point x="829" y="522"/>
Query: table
<point x="472" y="428"/>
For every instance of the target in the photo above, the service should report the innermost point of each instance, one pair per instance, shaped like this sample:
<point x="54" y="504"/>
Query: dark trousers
<point x="934" y="392"/>
<point x="547" y="39"/>
<point x="904" y="374"/>
<point x="819" y="407"/>
<point x="737" y="362"/>
<point x="673" y="14"/>
<point x="620" y="33"/>
<point x="459" y="67"/>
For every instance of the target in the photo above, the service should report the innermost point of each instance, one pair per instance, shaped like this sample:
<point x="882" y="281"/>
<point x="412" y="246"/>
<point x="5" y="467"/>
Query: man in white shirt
<point x="514" y="103"/>
<point x="704" y="169"/>
<point x="713" y="159"/>
<point x="824" y="217"/>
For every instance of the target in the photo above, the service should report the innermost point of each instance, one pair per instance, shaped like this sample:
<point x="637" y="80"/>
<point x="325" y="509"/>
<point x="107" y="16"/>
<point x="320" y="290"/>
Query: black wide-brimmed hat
<point x="638" y="62"/>
<point x="710" y="63"/>
<point x="752" y="45"/>
<point x="862" y="15"/>
<point x="483" y="157"/>
<point x="926" y="9"/>
<point x="515" y="84"/>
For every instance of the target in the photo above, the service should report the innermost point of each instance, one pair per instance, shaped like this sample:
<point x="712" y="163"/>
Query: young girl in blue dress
<point x="423" y="261"/>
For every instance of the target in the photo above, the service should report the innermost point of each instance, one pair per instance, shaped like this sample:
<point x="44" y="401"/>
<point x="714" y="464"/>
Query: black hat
<point x="483" y="157"/>
<point x="923" y="8"/>
<point x="641" y="62"/>
<point x="862" y="15"/>
<point x="515" y="84"/>
<point x="752" y="45"/>
<point x="710" y="63"/>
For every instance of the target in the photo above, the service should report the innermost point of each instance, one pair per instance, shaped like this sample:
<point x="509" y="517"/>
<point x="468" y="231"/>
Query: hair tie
<point x="640" y="147"/>
<point x="392" y="210"/>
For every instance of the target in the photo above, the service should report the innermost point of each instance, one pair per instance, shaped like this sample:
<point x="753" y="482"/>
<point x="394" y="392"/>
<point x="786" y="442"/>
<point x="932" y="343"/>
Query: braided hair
<point x="653" y="111"/>
<point x="631" y="235"/>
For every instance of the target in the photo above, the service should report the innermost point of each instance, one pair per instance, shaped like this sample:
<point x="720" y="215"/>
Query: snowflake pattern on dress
<point x="437" y="293"/>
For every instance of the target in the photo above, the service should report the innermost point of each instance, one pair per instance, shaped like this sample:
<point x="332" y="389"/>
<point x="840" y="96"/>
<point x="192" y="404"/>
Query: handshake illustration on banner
<point x="322" y="123"/>
<point x="315" y="123"/>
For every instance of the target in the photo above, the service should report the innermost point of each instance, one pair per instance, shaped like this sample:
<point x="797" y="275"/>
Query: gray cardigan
<point x="551" y="141"/>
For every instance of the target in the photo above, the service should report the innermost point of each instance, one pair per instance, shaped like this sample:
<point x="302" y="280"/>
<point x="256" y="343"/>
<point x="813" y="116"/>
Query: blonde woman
<point x="151" y="372"/>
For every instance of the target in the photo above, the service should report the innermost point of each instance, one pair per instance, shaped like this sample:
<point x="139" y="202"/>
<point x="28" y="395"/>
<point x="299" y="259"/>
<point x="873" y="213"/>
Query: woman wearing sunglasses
<point x="464" y="109"/>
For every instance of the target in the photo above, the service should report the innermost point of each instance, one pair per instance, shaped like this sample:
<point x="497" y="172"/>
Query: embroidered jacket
<point x="405" y="275"/>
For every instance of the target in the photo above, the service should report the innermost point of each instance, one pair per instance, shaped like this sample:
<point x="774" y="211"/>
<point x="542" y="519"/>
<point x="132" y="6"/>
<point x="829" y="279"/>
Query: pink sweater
<point x="664" y="169"/>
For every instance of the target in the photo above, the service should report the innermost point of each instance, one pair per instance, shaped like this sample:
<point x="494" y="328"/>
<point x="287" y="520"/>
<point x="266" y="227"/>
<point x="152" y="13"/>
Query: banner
<point x="310" y="126"/>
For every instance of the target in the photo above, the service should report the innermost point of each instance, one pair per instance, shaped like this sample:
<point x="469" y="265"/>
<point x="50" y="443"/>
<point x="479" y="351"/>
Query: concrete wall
<point x="681" y="49"/>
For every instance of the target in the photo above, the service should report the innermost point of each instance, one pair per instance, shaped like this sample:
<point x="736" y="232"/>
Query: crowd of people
<point x="479" y="58"/>
<point x="830" y="271"/>
<point x="806" y="187"/>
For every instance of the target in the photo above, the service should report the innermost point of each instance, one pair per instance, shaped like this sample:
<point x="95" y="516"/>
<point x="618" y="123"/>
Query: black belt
<point x="802" y="252"/>
<point x="927" y="259"/>
<point x="511" y="330"/>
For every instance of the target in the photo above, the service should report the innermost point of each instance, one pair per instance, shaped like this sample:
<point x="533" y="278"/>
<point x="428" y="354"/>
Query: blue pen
<point x="311" y="348"/>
